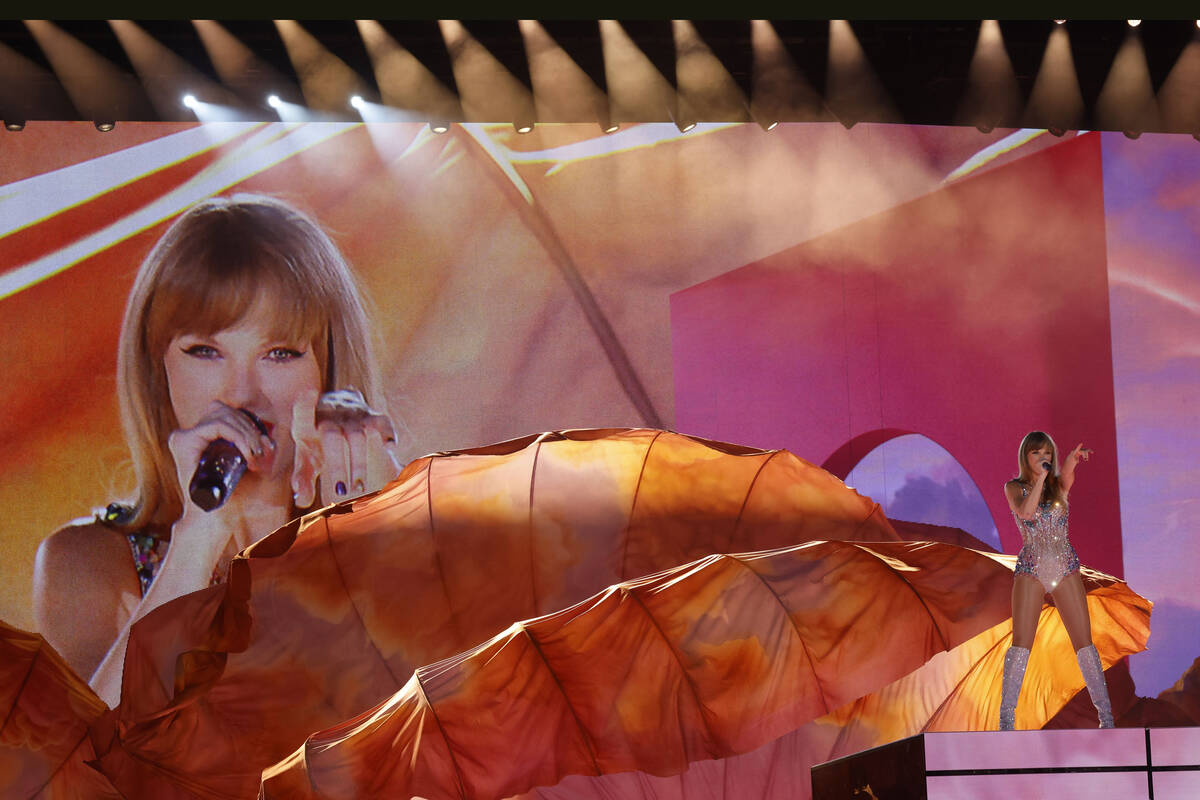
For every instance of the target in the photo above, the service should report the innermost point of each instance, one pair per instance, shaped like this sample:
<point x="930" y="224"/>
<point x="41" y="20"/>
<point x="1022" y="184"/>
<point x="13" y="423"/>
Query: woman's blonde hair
<point x="1032" y="441"/>
<point x="205" y="273"/>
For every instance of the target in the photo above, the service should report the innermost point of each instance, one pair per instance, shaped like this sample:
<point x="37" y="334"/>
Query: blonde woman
<point x="241" y="317"/>
<point x="1047" y="564"/>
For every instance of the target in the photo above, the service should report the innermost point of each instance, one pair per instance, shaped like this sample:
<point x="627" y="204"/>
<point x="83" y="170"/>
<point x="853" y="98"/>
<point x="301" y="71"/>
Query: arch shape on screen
<point x="916" y="479"/>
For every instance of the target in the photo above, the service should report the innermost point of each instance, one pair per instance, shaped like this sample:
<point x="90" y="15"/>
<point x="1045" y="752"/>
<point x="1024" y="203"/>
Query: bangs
<point x="220" y="283"/>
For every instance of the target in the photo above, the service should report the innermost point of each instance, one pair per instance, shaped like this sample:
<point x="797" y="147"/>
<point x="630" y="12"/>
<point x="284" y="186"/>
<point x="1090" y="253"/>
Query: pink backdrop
<point x="969" y="315"/>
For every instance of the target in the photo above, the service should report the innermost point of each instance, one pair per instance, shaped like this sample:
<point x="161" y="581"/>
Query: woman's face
<point x="1040" y="453"/>
<point x="243" y="366"/>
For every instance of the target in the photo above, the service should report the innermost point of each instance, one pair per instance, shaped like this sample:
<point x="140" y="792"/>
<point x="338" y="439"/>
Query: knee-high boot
<point x="1097" y="686"/>
<point x="1015" y="660"/>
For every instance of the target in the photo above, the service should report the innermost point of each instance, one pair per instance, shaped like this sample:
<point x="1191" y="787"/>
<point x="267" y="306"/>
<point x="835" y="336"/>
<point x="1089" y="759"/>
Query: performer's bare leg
<point x="1071" y="600"/>
<point x="1027" y="597"/>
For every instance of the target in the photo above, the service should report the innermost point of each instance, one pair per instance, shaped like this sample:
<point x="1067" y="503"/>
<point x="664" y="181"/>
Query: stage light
<point x="274" y="102"/>
<point x="562" y="91"/>
<point x="612" y="128"/>
<point x="438" y="127"/>
<point x="1131" y="134"/>
<point x="1133" y="23"/>
<point x="104" y="125"/>
<point x="703" y="82"/>
<point x="1056" y="131"/>
<point x="239" y="69"/>
<point x="524" y="128"/>
<point x="637" y="91"/>
<point x="1178" y="97"/>
<point x="403" y="81"/>
<point x="770" y="126"/>
<point x="358" y="102"/>
<point x="325" y="80"/>
<point x="779" y="90"/>
<point x="1059" y="21"/>
<point x="190" y="101"/>
<point x="1056" y="101"/>
<point x="853" y="92"/>
<point x="14" y="124"/>
<point x="487" y="90"/>
<point x="98" y="89"/>
<point x="684" y="127"/>
<point x="993" y="98"/>
<point x="1126" y="102"/>
<point x="166" y="76"/>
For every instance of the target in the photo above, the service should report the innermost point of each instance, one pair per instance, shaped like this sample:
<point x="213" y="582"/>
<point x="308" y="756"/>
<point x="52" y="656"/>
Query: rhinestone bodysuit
<point x="1047" y="553"/>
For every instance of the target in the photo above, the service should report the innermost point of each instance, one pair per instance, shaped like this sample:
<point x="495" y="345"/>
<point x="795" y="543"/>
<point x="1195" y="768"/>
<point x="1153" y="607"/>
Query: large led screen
<point x="896" y="304"/>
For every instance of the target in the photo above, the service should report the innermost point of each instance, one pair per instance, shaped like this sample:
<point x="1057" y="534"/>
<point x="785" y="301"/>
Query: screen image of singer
<point x="879" y="301"/>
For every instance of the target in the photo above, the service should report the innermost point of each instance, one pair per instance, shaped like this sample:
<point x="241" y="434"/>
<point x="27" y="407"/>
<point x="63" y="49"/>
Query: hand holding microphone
<point x="220" y="468"/>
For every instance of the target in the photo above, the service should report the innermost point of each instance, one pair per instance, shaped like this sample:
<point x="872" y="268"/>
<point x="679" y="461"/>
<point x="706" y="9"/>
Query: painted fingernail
<point x="340" y="488"/>
<point x="358" y="486"/>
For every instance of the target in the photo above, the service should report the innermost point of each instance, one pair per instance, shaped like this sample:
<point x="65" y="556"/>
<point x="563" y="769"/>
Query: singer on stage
<point x="247" y="386"/>
<point x="1047" y="563"/>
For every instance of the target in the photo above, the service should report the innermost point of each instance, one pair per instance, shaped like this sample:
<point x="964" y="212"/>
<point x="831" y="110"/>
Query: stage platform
<point x="1121" y="764"/>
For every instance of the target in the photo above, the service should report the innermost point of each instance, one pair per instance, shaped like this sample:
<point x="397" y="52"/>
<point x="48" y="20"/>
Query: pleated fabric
<point x="369" y="615"/>
<point x="45" y="712"/>
<point x="710" y="660"/>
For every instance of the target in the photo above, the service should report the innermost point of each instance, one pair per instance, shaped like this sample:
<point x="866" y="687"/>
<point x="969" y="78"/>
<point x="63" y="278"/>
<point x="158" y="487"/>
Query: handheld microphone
<point x="220" y="468"/>
<point x="1046" y="466"/>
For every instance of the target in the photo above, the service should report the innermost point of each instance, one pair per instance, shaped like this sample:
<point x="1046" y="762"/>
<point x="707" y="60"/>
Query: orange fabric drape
<point x="331" y="615"/>
<point x="45" y="711"/>
<point x="710" y="660"/>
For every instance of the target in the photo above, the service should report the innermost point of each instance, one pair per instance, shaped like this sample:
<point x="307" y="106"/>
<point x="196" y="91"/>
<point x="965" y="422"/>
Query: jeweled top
<point x="148" y="551"/>
<point x="1049" y="521"/>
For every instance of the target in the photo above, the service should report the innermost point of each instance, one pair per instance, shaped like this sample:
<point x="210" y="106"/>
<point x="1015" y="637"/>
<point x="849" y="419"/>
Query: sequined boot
<point x="1097" y="686"/>
<point x="1015" y="660"/>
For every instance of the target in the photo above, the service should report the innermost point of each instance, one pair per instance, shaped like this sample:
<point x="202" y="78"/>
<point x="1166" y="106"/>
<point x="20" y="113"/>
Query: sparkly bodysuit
<point x="1047" y="553"/>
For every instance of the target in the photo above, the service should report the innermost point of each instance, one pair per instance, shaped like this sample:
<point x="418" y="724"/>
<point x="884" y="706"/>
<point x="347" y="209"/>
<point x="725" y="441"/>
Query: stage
<point x="1126" y="763"/>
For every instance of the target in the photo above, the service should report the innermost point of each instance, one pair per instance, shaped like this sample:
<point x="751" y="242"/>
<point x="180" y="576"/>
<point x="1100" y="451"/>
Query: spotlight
<point x="1059" y="21"/>
<point x="612" y="128"/>
<point x="190" y="101"/>
<point x="438" y="127"/>
<point x="1056" y="131"/>
<point x="523" y="128"/>
<point x="14" y="124"/>
<point x="1133" y="23"/>
<point x="104" y="125"/>
<point x="770" y="126"/>
<point x="358" y="102"/>
<point x="274" y="102"/>
<point x="984" y="127"/>
<point x="1132" y="134"/>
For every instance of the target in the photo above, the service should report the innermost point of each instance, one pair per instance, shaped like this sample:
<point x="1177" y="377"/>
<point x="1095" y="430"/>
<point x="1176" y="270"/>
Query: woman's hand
<point x="1080" y="453"/>
<point x="344" y="442"/>
<point x="218" y="422"/>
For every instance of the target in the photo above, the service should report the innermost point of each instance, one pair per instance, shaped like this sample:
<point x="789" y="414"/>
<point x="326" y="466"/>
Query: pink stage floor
<point x="1124" y="763"/>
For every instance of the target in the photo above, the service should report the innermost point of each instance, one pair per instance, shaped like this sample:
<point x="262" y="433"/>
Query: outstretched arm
<point x="1080" y="453"/>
